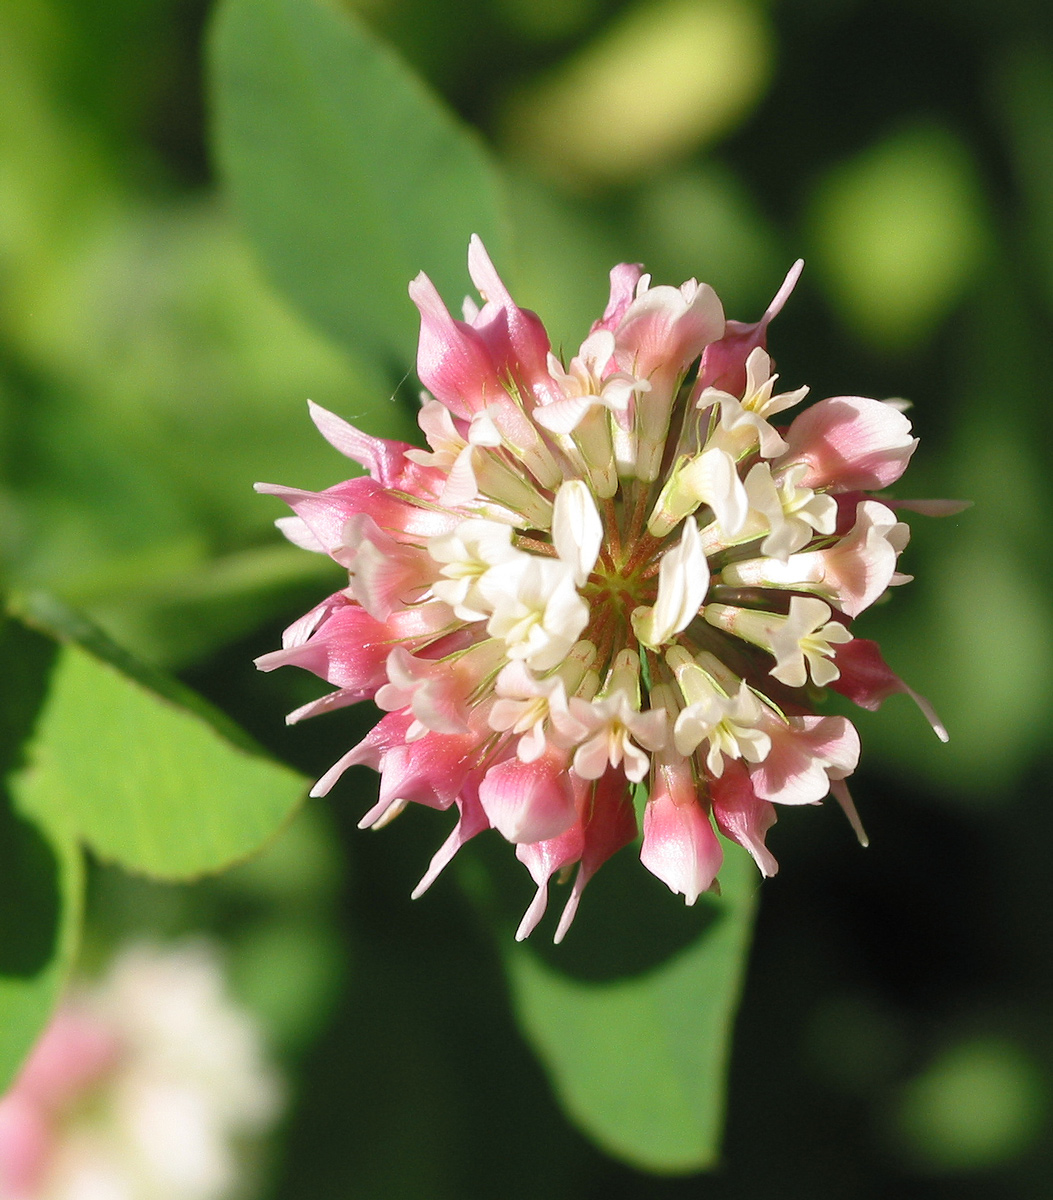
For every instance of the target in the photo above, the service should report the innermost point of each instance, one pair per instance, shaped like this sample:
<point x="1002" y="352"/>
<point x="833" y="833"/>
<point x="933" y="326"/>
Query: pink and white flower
<point x="619" y="571"/>
<point x="144" y="1084"/>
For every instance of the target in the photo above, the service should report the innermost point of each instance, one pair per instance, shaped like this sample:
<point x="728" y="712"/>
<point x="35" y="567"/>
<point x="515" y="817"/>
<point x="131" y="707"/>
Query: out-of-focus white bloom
<point x="145" y="1086"/>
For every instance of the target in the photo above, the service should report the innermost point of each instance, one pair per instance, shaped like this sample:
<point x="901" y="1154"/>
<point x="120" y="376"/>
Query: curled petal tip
<point x="783" y="294"/>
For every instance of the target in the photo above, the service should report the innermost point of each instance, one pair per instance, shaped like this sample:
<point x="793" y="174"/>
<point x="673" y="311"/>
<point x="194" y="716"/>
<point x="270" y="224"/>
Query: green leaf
<point x="139" y="767"/>
<point x="640" y="1063"/>
<point x="41" y="893"/>
<point x="40" y="877"/>
<point x="349" y="175"/>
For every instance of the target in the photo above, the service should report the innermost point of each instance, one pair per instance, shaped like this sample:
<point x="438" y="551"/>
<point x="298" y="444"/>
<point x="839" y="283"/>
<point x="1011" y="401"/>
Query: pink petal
<point x="742" y="815"/>
<point x="611" y="824"/>
<point x="723" y="364"/>
<point x="385" y="460"/>
<point x="543" y="860"/>
<point x="389" y="731"/>
<point x="326" y="513"/>
<point x="453" y="361"/>
<point x="26" y="1142"/>
<point x="850" y="444"/>
<point x="530" y="802"/>
<point x="867" y="680"/>
<point x="302" y="628"/>
<point x="298" y="533"/>
<point x="436" y="692"/>
<point x="75" y="1050"/>
<point x="840" y="792"/>
<point x="664" y="331"/>
<point x="350" y="648"/>
<point x="624" y="278"/>
<point x="470" y="821"/>
<point x="679" y="845"/>
<point x="385" y="574"/>
<point x="804" y="756"/>
<point x="515" y="337"/>
<point x="931" y="508"/>
<point x="330" y="702"/>
<point x="863" y="563"/>
<point x="431" y="771"/>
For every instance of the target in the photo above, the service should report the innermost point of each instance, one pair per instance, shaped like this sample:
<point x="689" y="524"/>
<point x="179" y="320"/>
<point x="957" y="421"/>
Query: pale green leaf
<point x="349" y="175"/>
<point x="140" y="768"/>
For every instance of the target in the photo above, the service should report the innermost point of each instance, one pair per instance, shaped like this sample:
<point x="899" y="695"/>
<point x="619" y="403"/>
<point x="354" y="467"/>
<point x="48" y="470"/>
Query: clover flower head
<point x="635" y="569"/>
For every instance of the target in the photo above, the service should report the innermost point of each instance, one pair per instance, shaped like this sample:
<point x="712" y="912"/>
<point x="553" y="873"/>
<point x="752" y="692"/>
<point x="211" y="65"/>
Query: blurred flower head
<point x="624" y="575"/>
<point x="141" y="1088"/>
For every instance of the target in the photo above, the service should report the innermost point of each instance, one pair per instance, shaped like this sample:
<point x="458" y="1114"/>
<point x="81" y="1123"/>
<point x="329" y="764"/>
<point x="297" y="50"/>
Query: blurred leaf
<point x="40" y="876"/>
<point x="1023" y="95"/>
<point x="981" y="1103"/>
<point x="301" y="872"/>
<point x="349" y="175"/>
<point x="662" y="79"/>
<point x="563" y="256"/>
<point x="640" y="1064"/>
<point x="973" y="632"/>
<point x="163" y="377"/>
<point x="699" y="222"/>
<point x="703" y="223"/>
<point x="41" y="893"/>
<point x="898" y="234"/>
<point x="290" y="973"/>
<point x="547" y="20"/>
<point x="140" y="767"/>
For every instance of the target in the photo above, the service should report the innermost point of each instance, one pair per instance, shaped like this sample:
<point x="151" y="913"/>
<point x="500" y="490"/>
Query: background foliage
<point x="165" y="308"/>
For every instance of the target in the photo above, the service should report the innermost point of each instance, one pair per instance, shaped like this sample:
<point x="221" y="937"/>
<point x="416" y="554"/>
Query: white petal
<point x="683" y="580"/>
<point x="564" y="416"/>
<point x="483" y="431"/>
<point x="714" y="479"/>
<point x="577" y="530"/>
<point x="298" y="532"/>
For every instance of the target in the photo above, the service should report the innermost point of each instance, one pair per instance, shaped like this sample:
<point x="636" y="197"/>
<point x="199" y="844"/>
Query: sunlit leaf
<point x="349" y="175"/>
<point x="640" y="1063"/>
<point x="142" y="769"/>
